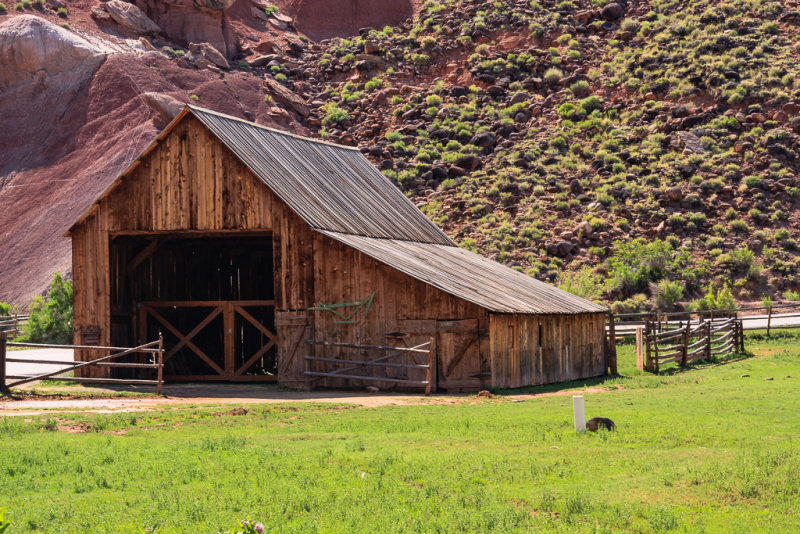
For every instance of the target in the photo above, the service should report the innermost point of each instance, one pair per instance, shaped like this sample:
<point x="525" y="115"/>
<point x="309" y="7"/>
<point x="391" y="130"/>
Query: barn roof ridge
<point x="271" y="129"/>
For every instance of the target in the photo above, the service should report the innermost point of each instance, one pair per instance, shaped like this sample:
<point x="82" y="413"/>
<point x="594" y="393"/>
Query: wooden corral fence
<point x="687" y="343"/>
<point x="769" y="318"/>
<point x="12" y="325"/>
<point x="371" y="365"/>
<point x="155" y="349"/>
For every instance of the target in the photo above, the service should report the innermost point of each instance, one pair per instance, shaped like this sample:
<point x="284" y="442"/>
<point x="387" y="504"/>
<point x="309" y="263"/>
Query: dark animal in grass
<point x="596" y="423"/>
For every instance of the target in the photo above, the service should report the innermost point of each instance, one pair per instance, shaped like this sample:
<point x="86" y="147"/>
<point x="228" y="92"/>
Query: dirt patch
<point x="338" y="400"/>
<point x="81" y="427"/>
<point x="236" y="411"/>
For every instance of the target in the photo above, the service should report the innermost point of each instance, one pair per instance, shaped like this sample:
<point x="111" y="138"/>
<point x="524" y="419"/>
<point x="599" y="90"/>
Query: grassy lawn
<point x="704" y="450"/>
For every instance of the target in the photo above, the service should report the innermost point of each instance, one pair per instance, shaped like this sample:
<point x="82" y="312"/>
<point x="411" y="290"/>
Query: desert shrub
<point x="634" y="304"/>
<point x="50" y="318"/>
<point x="374" y="83"/>
<point x="667" y="293"/>
<point x="719" y="299"/>
<point x="583" y="283"/>
<point x="791" y="295"/>
<point x="420" y="59"/>
<point x="552" y="76"/>
<point x="590" y="104"/>
<point x="334" y="113"/>
<point x="580" y="88"/>
<point x="5" y="309"/>
<point x="637" y="261"/>
<point x="3" y="8"/>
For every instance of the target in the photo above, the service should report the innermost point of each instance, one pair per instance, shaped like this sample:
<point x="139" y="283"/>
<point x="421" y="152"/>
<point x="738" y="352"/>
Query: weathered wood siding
<point x="544" y="349"/>
<point x="400" y="305"/>
<point x="189" y="183"/>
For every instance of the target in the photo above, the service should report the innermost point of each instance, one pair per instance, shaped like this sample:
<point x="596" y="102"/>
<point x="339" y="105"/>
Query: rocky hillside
<point x="634" y="152"/>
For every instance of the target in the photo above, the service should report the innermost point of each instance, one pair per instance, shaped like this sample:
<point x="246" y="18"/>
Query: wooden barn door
<point x="456" y="345"/>
<point x="292" y="327"/>
<point x="458" y="355"/>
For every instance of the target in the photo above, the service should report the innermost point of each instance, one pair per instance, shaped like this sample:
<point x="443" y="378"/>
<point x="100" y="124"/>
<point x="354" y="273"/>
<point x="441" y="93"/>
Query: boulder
<point x="612" y="11"/>
<point x="39" y="54"/>
<point x="131" y="17"/>
<point x="166" y="106"/>
<point x="210" y="53"/>
<point x="286" y="96"/>
<point x="795" y="125"/>
<point x="194" y="21"/>
<point x="484" y="140"/>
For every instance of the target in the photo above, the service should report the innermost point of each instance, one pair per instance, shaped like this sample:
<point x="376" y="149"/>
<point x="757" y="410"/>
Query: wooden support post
<point x="16" y="325"/>
<point x="648" y="331"/>
<point x="769" y="318"/>
<point x="655" y="352"/>
<point x="612" y="345"/>
<point x="740" y="326"/>
<point x="160" y="363"/>
<point x="685" y="347"/>
<point x="708" y="340"/>
<point x="429" y="372"/>
<point x="307" y="335"/>
<point x="3" y="389"/>
<point x="640" y="348"/>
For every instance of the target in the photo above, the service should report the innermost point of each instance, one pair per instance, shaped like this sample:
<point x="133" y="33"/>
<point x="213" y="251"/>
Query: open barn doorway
<point x="212" y="298"/>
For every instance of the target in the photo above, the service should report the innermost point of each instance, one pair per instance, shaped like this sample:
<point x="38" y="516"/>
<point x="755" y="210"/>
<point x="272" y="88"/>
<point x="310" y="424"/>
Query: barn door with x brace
<point x="213" y="340"/>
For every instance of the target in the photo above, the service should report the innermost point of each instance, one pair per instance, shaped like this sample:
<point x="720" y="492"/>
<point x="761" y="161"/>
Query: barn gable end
<point x="217" y="227"/>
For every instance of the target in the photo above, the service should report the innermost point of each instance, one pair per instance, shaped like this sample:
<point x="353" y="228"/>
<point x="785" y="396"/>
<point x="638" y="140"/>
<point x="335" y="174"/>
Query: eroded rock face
<point x="322" y="19"/>
<point x="36" y="54"/>
<point x="194" y="21"/>
<point x="131" y="17"/>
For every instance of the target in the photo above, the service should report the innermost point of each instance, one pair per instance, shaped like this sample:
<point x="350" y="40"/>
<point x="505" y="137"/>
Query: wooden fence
<point x="12" y="325"/>
<point x="155" y="349"/>
<point x="769" y="318"/>
<point x="385" y="353"/>
<point x="687" y="344"/>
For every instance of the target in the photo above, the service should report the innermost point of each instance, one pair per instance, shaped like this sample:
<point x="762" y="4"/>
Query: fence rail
<point x="773" y="317"/>
<point x="687" y="343"/>
<point x="154" y="348"/>
<point x="385" y="353"/>
<point x="12" y="325"/>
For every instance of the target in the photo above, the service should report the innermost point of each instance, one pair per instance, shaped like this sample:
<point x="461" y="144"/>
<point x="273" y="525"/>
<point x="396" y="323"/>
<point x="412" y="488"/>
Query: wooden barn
<point x="238" y="242"/>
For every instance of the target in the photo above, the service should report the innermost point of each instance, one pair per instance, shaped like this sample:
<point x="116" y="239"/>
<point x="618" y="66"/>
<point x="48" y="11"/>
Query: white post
<point x="577" y="412"/>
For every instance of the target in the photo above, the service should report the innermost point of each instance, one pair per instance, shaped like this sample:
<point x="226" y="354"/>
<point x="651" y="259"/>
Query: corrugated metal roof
<point x="469" y="276"/>
<point x="331" y="187"/>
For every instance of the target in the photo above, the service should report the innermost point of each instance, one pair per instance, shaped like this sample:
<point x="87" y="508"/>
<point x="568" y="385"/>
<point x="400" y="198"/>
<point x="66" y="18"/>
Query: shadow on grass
<point x="613" y="381"/>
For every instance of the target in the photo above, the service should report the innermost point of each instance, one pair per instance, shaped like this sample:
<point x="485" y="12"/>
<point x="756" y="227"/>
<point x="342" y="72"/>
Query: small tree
<point x="5" y="309"/>
<point x="50" y="319"/>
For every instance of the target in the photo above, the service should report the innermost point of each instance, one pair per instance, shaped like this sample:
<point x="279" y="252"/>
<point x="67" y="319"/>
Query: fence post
<point x="308" y="336"/>
<point x="708" y="340"/>
<point x="16" y="324"/>
<point x="741" y="334"/>
<point x="429" y="371"/>
<point x="648" y="365"/>
<point x="685" y="347"/>
<point x="769" y="318"/>
<point x="160" y="363"/>
<point x="640" y="348"/>
<point x="612" y="345"/>
<point x="3" y="389"/>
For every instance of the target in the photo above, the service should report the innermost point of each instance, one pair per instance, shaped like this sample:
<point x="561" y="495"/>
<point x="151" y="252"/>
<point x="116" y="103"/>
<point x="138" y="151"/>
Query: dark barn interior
<point x="216" y="288"/>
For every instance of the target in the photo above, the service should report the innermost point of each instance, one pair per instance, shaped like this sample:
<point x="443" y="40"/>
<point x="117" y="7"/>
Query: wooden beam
<point x="188" y="343"/>
<point x="146" y="252"/>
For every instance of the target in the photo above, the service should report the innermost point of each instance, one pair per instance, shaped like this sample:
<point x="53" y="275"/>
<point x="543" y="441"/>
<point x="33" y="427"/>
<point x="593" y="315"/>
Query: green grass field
<point x="703" y="450"/>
